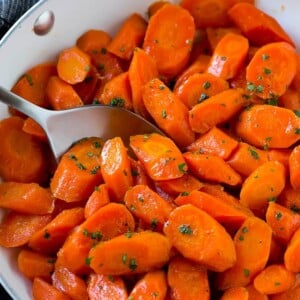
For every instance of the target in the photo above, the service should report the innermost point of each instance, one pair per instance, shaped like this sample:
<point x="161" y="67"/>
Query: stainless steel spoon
<point x="64" y="127"/>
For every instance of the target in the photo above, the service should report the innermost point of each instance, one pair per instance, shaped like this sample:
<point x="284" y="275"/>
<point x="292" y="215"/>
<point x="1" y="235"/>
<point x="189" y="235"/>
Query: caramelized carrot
<point x="291" y="253"/>
<point x="290" y="99"/>
<point x="155" y="6"/>
<point x="235" y="293"/>
<point x="33" y="128"/>
<point x="254" y="294"/>
<point x="139" y="173"/>
<point x="290" y="198"/>
<point x="294" y="164"/>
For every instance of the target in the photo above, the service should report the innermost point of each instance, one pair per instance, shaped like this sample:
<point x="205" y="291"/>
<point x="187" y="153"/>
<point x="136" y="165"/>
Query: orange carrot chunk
<point x="235" y="293"/>
<point x="291" y="253"/>
<point x="294" y="167"/>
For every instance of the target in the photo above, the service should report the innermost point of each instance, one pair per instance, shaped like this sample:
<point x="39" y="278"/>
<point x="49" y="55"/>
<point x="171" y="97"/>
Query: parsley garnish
<point x="185" y="229"/>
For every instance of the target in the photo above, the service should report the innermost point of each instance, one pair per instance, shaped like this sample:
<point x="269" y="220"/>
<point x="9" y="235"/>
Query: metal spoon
<point x="64" y="127"/>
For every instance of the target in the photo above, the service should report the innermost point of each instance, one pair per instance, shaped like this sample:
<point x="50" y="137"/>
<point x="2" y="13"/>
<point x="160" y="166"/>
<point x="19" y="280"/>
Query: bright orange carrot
<point x="235" y="293"/>
<point x="291" y="253"/>
<point x="131" y="253"/>
<point x="52" y="236"/>
<point x="212" y="168"/>
<point x="216" y="110"/>
<point x="168" y="112"/>
<point x="16" y="229"/>
<point x="254" y="294"/>
<point x="296" y="80"/>
<point x="252" y="245"/>
<point x="70" y="284"/>
<point x="264" y="72"/>
<point x="187" y="280"/>
<point x="189" y="230"/>
<point x="155" y="6"/>
<point x="294" y="165"/>
<point x="73" y="65"/>
<point x="78" y="171"/>
<point x="152" y="285"/>
<point x="33" y="128"/>
<point x="160" y="156"/>
<point x="33" y="264"/>
<point x="281" y="155"/>
<point x="26" y="198"/>
<point x="291" y="294"/>
<point x="290" y="99"/>
<point x="257" y="26"/>
<point x="115" y="168"/>
<point x="290" y="198"/>
<point x="139" y="173"/>
<point x="163" y="39"/>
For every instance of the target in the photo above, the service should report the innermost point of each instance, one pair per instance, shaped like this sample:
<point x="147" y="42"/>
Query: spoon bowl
<point x="64" y="127"/>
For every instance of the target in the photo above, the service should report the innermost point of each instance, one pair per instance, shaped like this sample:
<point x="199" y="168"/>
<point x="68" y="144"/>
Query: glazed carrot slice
<point x="254" y="294"/>
<point x="70" y="284"/>
<point x="264" y="73"/>
<point x="79" y="166"/>
<point x="142" y="68"/>
<point x="131" y="253"/>
<point x="215" y="142"/>
<point x="33" y="128"/>
<point x="216" y="110"/>
<point x="97" y="199"/>
<point x="16" y="228"/>
<point x="289" y="198"/>
<point x="139" y="173"/>
<point x="24" y="157"/>
<point x="106" y="287"/>
<point x="259" y="27"/>
<point x="31" y="86"/>
<point x="187" y="280"/>
<point x="155" y="6"/>
<point x="263" y="185"/>
<point x="159" y="155"/>
<point x="41" y="290"/>
<point x="51" y="237"/>
<point x="229" y="56"/>
<point x="256" y="126"/>
<point x="163" y="39"/>
<point x="211" y="168"/>
<point x="28" y="198"/>
<point x="199" y="87"/>
<point x="73" y="65"/>
<point x="294" y="164"/>
<point x="274" y="279"/>
<point x="152" y="285"/>
<point x="235" y="293"/>
<point x="291" y="253"/>
<point x="115" y="168"/>
<point x="290" y="99"/>
<point x="148" y="206"/>
<point x="33" y="264"/>
<point x="168" y="112"/>
<point x="296" y="80"/>
<point x="252" y="245"/>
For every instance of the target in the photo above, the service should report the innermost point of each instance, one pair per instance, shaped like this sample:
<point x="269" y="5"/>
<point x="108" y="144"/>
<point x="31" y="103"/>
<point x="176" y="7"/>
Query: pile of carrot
<point x="210" y="210"/>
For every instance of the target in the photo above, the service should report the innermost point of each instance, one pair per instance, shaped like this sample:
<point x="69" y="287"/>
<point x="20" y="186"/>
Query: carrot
<point x="263" y="185"/>
<point x="155" y="6"/>
<point x="290" y="99"/>
<point x="200" y="47"/>
<point x="163" y="39"/>
<point x="24" y="156"/>
<point x="189" y="230"/>
<point x="283" y="221"/>
<point x="229" y="56"/>
<point x="168" y="112"/>
<point x="107" y="222"/>
<point x="211" y="168"/>
<point x="51" y="237"/>
<point x="26" y="198"/>
<point x="31" y="86"/>
<point x="73" y="65"/>
<point x="152" y="286"/>
<point x="215" y="142"/>
<point x="33" y="264"/>
<point x="291" y="294"/>
<point x="276" y="252"/>
<point x="264" y="72"/>
<point x="147" y="206"/>
<point x="106" y="287"/>
<point x="61" y="95"/>
<point x="16" y="228"/>
<point x="115" y="168"/>
<point x="42" y="290"/>
<point x="256" y="125"/>
<point x="159" y="155"/>
<point x="97" y="199"/>
<point x="131" y="253"/>
<point x="246" y="159"/>
<point x="187" y="280"/>
<point x="291" y="253"/>
<point x="259" y="27"/>
<point x="78" y="171"/>
<point x="281" y="155"/>
<point x="142" y="68"/>
<point x="117" y="92"/>
<point x="255" y="294"/>
<point x="290" y="198"/>
<point x="294" y="164"/>
<point x="139" y="173"/>
<point x="235" y="293"/>
<point x="296" y="80"/>
<point x="199" y="87"/>
<point x="70" y="284"/>
<point x="34" y="129"/>
<point x="274" y="279"/>
<point x="216" y="110"/>
<point x="252" y="245"/>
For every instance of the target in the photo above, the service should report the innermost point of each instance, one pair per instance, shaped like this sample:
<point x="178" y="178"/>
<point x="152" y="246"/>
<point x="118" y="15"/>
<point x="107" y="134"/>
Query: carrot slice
<point x="294" y="164"/>
<point x="254" y="294"/>
<point x="235" y="293"/>
<point x="160" y="156"/>
<point x="189" y="230"/>
<point x="290" y="198"/>
<point x="155" y="6"/>
<point x="163" y="39"/>
<point x="290" y="99"/>
<point x="169" y="113"/>
<point x="33" y="128"/>
<point x="291" y="253"/>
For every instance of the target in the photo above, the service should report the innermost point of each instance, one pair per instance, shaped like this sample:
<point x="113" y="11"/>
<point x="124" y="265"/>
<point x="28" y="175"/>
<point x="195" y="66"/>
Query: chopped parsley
<point x="163" y="114"/>
<point x="132" y="264"/>
<point x="182" y="167"/>
<point x="117" y="101"/>
<point x="206" y="85"/>
<point x="185" y="229"/>
<point x="253" y="153"/>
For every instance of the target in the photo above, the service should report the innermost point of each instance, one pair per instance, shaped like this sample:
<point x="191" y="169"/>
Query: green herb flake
<point x="141" y="199"/>
<point x="250" y="87"/>
<point x="246" y="272"/>
<point x="253" y="153"/>
<point x="267" y="71"/>
<point x="88" y="261"/>
<point x="272" y="199"/>
<point x="132" y="264"/>
<point x="241" y="238"/>
<point x="295" y="209"/>
<point x="297" y="130"/>
<point x="131" y="207"/>
<point x="117" y="101"/>
<point x="182" y="167"/>
<point x="297" y="113"/>
<point x="96" y="236"/>
<point x="163" y="114"/>
<point x="29" y="79"/>
<point x="128" y="234"/>
<point x="202" y="97"/>
<point x="122" y="48"/>
<point x="97" y="144"/>
<point x="154" y="223"/>
<point x="185" y="229"/>
<point x="124" y="259"/>
<point x="206" y="85"/>
<point x="111" y="278"/>
<point x="260" y="88"/>
<point x="184" y="193"/>
<point x="51" y="260"/>
<point x="155" y="294"/>
<point x="73" y="157"/>
<point x="130" y="298"/>
<point x="278" y="215"/>
<point x="81" y="166"/>
<point x="134" y="173"/>
<point x="277" y="283"/>
<point x="87" y="68"/>
<point x="85" y="232"/>
<point x="103" y="50"/>
<point x="161" y="87"/>
<point x="244" y="229"/>
<point x="272" y="101"/>
<point x="95" y="170"/>
<point x="265" y="56"/>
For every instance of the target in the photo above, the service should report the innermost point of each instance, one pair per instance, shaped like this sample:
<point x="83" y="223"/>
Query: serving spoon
<point x="64" y="127"/>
